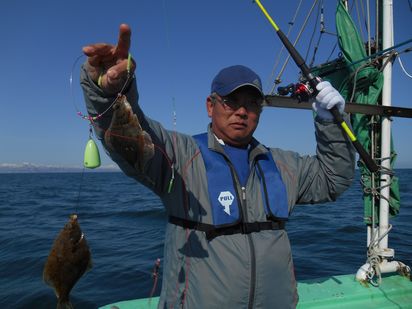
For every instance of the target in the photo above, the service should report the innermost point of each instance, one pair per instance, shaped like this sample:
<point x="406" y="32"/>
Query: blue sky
<point x="179" y="46"/>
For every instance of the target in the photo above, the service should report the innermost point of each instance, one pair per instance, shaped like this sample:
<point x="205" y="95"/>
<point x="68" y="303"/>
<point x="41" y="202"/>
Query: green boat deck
<point x="341" y="291"/>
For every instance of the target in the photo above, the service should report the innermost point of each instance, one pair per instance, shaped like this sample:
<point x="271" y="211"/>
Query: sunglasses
<point x="232" y="104"/>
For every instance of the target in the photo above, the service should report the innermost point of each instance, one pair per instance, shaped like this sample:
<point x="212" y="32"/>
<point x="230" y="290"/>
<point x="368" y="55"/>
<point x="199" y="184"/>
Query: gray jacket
<point x="252" y="270"/>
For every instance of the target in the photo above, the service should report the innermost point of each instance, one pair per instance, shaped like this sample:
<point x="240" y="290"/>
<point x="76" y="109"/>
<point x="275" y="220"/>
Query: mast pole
<point x="371" y="269"/>
<point x="385" y="179"/>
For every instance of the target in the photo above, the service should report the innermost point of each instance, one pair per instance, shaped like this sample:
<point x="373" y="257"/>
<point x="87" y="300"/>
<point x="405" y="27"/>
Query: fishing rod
<point x="313" y="81"/>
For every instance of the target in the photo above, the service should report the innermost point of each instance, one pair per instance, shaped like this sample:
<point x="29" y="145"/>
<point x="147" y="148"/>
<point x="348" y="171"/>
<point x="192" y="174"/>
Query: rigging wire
<point x="291" y="24"/>
<point x="359" y="18"/>
<point x="336" y="43"/>
<point x="320" y="12"/>
<point x="322" y="31"/>
<point x="332" y="51"/>
<point x="368" y="27"/>
<point x="377" y="26"/>
<point x="294" y="43"/>
<point x="403" y="68"/>
<point x="365" y="15"/>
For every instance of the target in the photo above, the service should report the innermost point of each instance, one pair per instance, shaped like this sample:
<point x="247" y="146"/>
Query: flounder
<point x="68" y="260"/>
<point x="126" y="137"/>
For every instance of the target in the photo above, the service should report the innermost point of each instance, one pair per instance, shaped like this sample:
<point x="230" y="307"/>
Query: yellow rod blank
<point x="267" y="15"/>
<point x="348" y="131"/>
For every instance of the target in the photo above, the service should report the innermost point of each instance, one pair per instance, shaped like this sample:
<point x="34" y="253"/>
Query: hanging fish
<point x="126" y="136"/>
<point x="68" y="260"/>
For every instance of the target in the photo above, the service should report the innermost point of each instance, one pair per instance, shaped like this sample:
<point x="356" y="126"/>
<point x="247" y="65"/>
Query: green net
<point x="361" y="82"/>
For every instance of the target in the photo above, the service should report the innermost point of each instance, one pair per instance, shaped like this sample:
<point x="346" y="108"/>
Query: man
<point x="226" y="195"/>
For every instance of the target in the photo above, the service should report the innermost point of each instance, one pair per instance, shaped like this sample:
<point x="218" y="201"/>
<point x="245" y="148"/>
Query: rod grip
<point x="363" y="154"/>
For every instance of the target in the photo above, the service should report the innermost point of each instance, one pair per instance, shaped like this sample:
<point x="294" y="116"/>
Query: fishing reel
<point x="301" y="90"/>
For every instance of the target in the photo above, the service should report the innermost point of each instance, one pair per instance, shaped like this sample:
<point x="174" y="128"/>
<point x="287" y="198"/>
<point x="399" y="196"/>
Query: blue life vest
<point x="223" y="195"/>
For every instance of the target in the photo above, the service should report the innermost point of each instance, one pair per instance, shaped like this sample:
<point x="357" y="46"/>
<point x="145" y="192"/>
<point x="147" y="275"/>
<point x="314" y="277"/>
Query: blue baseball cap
<point x="231" y="78"/>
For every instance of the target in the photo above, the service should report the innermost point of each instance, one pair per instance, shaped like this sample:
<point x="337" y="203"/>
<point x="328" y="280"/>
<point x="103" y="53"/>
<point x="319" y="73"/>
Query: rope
<point x="355" y="79"/>
<point x="374" y="274"/>
<point x="374" y="270"/>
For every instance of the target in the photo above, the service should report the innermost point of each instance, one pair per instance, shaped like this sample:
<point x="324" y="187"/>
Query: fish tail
<point x="66" y="304"/>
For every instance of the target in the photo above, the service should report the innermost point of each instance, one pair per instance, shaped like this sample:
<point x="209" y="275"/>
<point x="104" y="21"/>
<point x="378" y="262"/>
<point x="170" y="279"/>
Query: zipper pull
<point x="243" y="193"/>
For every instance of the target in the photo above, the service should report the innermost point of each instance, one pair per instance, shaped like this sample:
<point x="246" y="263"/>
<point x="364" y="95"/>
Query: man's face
<point x="236" y="116"/>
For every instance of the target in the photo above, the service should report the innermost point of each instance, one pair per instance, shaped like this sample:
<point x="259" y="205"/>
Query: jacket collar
<point x="215" y="144"/>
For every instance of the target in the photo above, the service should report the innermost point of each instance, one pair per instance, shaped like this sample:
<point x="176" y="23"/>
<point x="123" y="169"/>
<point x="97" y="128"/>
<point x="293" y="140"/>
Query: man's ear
<point x="209" y="106"/>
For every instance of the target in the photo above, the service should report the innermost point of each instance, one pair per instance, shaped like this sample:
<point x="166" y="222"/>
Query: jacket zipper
<point x="249" y="237"/>
<point x="252" y="259"/>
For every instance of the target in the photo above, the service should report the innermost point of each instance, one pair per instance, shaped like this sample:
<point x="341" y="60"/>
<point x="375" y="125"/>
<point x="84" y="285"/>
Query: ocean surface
<point x="124" y="225"/>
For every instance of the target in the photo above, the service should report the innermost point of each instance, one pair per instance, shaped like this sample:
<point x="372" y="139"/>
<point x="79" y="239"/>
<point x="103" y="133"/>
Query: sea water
<point x="124" y="226"/>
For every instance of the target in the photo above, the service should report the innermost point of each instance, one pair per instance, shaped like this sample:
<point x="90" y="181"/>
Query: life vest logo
<point x="226" y="199"/>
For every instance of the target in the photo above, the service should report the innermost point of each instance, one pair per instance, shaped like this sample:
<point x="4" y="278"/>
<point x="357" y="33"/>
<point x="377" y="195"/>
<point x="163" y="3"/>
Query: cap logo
<point x="257" y="83"/>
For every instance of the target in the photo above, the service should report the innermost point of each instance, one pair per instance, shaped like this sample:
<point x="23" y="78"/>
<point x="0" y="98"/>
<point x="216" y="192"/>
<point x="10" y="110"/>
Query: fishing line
<point x="79" y="191"/>
<point x="175" y="159"/>
<point x="174" y="113"/>
<point x="93" y="118"/>
<point x="92" y="124"/>
<point x="91" y="152"/>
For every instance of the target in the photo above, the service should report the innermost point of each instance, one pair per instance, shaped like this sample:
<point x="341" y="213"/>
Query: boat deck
<point x="341" y="291"/>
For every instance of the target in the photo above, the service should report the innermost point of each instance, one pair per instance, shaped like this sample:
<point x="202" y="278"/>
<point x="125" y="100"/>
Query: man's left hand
<point x="327" y="98"/>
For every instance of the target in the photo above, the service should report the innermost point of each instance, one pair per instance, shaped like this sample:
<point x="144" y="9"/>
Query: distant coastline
<point x="26" y="167"/>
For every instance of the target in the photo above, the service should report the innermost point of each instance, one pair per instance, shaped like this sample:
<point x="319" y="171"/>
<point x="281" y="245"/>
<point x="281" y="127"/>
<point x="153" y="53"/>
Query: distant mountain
<point x="27" y="167"/>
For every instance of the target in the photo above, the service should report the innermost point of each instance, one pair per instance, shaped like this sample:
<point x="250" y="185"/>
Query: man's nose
<point x="242" y="111"/>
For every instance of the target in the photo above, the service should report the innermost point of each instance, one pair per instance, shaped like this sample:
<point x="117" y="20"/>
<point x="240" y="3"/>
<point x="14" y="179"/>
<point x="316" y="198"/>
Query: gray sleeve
<point x="324" y="176"/>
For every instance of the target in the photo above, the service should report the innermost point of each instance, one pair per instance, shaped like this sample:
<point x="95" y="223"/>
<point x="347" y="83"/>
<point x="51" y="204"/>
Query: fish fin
<point x="64" y="305"/>
<point x="47" y="279"/>
<point x="90" y="265"/>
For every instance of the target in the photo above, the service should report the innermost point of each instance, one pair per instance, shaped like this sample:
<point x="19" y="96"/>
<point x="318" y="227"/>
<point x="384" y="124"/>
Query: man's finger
<point x="119" y="70"/>
<point x="100" y="49"/>
<point x="104" y="61"/>
<point x="94" y="61"/>
<point x="123" y="44"/>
